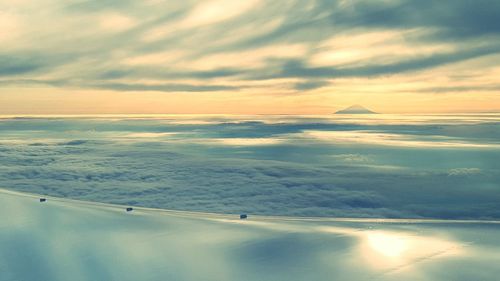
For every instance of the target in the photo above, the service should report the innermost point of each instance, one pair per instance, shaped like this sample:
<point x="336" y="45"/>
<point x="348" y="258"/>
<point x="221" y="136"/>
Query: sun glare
<point x="391" y="246"/>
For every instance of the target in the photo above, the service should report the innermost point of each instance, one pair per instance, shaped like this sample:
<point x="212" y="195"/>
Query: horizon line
<point x="242" y="114"/>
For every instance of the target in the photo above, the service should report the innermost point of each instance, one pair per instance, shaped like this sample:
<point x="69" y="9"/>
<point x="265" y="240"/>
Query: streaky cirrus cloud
<point x="235" y="46"/>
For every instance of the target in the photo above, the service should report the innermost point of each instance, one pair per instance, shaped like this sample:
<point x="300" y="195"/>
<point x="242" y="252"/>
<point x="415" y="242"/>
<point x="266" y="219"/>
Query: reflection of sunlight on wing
<point x="383" y="248"/>
<point x="391" y="246"/>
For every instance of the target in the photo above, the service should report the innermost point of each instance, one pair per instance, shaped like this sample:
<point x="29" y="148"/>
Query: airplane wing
<point x="58" y="239"/>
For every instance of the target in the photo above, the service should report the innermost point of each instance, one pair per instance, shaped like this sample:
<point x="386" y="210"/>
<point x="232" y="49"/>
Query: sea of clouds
<point x="436" y="166"/>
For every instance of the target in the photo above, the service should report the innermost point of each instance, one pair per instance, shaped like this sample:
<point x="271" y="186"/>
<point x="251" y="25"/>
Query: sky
<point x="248" y="57"/>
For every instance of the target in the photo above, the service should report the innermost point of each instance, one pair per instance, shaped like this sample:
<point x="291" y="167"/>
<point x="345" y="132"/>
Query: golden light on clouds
<point x="245" y="57"/>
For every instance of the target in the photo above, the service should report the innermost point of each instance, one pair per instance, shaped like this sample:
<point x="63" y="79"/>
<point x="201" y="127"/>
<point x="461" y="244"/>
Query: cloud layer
<point x="274" y="165"/>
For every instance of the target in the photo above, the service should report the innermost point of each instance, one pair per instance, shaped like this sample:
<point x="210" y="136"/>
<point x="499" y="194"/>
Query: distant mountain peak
<point x="355" y="109"/>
